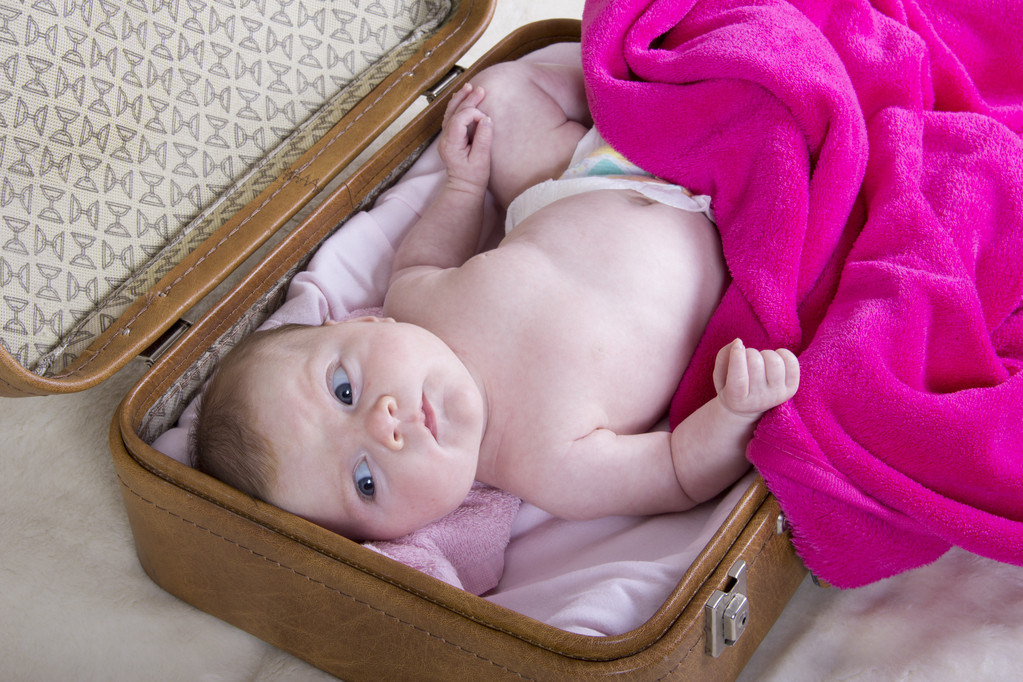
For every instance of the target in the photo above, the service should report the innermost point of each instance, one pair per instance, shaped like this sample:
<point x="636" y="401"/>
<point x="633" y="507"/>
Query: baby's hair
<point x="223" y="442"/>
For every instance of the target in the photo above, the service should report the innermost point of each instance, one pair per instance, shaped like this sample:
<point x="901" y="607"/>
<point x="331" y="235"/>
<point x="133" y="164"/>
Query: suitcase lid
<point x="149" y="147"/>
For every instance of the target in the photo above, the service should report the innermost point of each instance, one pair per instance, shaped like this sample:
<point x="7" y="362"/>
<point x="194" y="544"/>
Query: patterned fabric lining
<point x="131" y="129"/>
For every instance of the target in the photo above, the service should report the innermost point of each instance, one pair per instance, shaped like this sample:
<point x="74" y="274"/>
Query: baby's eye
<point x="342" y="387"/>
<point x="364" y="480"/>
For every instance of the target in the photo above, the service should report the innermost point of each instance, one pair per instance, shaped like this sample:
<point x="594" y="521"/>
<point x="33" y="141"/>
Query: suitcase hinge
<point x="440" y="86"/>
<point x="163" y="344"/>
<point x="727" y="612"/>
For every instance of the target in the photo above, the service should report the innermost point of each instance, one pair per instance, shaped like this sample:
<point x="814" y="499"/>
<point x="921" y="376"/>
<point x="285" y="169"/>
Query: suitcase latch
<point x="727" y="612"/>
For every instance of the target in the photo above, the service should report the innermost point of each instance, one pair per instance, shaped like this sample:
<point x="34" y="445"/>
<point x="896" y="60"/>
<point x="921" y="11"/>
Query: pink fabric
<point x="865" y="164"/>
<point x="466" y="547"/>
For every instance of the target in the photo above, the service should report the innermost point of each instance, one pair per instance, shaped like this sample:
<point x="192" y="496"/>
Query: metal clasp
<point x="726" y="613"/>
<point x="163" y="344"/>
<point x="440" y="86"/>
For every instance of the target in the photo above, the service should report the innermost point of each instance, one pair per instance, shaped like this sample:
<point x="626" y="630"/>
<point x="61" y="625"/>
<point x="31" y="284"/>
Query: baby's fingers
<point x="781" y="369"/>
<point x="791" y="363"/>
<point x="482" y="140"/>
<point x="731" y="373"/>
<point x="749" y="381"/>
<point x="777" y="377"/>
<point x="466" y="126"/>
<point x="774" y="368"/>
<point x="467" y="96"/>
<point x="456" y="100"/>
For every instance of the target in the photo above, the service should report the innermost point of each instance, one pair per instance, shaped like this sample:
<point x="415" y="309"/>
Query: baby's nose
<point x="382" y="423"/>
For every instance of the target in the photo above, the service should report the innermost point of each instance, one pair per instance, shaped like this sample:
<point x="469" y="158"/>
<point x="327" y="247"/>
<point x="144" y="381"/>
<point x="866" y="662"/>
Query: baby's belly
<point x="631" y="287"/>
<point x="622" y="244"/>
<point x="627" y="366"/>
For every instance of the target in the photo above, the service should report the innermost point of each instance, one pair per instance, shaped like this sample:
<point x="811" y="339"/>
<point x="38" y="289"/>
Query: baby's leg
<point x="540" y="114"/>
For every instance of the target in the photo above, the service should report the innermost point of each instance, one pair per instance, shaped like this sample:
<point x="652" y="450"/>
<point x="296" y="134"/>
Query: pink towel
<point x="466" y="547"/>
<point x="866" y="166"/>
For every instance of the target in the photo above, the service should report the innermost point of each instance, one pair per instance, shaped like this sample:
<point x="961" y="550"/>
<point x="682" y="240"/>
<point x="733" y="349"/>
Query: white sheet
<point x="607" y="576"/>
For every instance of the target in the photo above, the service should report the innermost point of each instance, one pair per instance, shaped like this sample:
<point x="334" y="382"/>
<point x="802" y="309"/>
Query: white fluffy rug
<point x="75" y="605"/>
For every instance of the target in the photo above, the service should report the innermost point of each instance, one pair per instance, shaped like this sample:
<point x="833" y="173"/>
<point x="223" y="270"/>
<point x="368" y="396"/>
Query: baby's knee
<point x="503" y="73"/>
<point x="504" y="84"/>
<point x="536" y="110"/>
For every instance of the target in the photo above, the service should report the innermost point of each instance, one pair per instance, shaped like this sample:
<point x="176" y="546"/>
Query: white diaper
<point x="596" y="166"/>
<point x="538" y="196"/>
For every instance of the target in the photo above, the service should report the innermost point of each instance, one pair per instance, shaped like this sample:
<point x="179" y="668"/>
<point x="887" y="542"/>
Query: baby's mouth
<point x="429" y="418"/>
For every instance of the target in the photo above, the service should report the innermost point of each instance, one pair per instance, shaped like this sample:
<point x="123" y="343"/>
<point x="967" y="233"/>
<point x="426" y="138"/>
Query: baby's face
<point x="376" y="425"/>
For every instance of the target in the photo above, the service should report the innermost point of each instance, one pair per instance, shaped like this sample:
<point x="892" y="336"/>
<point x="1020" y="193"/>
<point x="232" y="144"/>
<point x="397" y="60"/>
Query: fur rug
<point x="75" y="604"/>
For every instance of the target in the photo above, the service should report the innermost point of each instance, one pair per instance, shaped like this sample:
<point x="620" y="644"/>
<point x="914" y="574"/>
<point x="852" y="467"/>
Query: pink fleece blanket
<point x="866" y="165"/>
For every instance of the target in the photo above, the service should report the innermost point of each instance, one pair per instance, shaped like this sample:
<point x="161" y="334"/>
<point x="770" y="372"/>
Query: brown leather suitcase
<point x="329" y="601"/>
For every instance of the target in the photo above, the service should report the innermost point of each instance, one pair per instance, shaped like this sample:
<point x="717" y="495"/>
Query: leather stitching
<point x="222" y="326"/>
<point x="322" y="584"/>
<point x="11" y="389"/>
<point x="398" y="619"/>
<point x="381" y="577"/>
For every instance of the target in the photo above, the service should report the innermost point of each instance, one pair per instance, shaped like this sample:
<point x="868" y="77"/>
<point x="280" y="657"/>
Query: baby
<point x="540" y="367"/>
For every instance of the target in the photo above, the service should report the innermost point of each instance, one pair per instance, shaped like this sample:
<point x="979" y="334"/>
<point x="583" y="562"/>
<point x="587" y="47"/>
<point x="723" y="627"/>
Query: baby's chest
<point x="561" y="377"/>
<point x="609" y="261"/>
<point x="571" y="282"/>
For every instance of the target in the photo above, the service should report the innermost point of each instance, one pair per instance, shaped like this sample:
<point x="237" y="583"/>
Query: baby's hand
<point x="465" y="139"/>
<point x="750" y="382"/>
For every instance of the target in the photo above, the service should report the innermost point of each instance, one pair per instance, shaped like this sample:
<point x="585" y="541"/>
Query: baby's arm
<point x="658" y="472"/>
<point x="448" y="232"/>
<point x="708" y="448"/>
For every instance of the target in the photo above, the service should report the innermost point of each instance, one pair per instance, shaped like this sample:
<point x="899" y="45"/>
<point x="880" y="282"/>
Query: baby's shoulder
<point x="498" y="275"/>
<point x="434" y="296"/>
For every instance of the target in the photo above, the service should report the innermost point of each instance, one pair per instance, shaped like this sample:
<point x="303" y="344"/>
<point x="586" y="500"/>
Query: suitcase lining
<point x="79" y="333"/>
